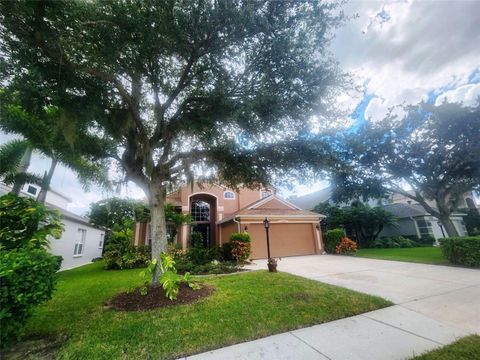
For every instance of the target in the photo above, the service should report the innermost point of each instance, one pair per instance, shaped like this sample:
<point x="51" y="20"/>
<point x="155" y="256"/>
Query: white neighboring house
<point x="80" y="242"/>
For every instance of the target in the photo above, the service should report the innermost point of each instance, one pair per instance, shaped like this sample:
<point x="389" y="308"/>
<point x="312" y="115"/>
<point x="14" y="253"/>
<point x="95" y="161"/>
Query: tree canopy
<point x="169" y="88"/>
<point x="433" y="150"/>
<point x="360" y="221"/>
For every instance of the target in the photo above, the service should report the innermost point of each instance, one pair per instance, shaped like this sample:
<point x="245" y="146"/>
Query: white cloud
<point x="468" y="95"/>
<point x="404" y="51"/>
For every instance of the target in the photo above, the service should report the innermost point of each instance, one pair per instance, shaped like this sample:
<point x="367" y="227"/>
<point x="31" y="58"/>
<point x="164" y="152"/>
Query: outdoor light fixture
<point x="272" y="263"/>
<point x="245" y="228"/>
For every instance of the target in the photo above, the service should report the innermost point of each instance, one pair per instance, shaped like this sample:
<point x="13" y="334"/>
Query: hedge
<point x="27" y="278"/>
<point x="462" y="250"/>
<point x="332" y="239"/>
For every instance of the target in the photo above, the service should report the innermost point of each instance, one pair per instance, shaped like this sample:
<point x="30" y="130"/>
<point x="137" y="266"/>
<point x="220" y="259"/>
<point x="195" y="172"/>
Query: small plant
<point x="241" y="246"/>
<point x="169" y="279"/>
<point x="346" y="246"/>
<point x="332" y="239"/>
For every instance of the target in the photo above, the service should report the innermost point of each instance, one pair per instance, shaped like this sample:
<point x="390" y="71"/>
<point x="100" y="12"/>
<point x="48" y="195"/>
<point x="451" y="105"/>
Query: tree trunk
<point x="22" y="168"/>
<point x="158" y="225"/>
<point x="47" y="178"/>
<point x="449" y="226"/>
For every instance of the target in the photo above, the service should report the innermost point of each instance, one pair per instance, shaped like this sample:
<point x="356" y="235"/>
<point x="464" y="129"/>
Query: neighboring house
<point x="414" y="220"/>
<point x="218" y="212"/>
<point x="80" y="242"/>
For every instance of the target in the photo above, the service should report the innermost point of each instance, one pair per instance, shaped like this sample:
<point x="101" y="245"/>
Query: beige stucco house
<point x="219" y="211"/>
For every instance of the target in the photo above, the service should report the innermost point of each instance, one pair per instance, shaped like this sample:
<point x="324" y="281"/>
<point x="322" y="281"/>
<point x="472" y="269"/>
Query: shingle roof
<point x="309" y="201"/>
<point x="276" y="212"/>
<point x="259" y="211"/>
<point x="402" y="210"/>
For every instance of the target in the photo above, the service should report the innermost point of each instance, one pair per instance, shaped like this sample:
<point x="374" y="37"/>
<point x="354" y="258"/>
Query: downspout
<point x="238" y="224"/>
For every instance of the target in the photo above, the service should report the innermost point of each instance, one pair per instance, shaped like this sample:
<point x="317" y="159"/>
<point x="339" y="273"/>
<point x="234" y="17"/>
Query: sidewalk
<point x="390" y="333"/>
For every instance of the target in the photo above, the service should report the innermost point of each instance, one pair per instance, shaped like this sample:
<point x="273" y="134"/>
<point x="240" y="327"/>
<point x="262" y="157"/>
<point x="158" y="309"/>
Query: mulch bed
<point x="155" y="298"/>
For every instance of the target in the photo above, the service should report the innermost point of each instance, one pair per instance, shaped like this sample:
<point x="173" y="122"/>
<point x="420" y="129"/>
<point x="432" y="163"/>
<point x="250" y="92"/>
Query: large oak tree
<point x="433" y="150"/>
<point x="175" y="87"/>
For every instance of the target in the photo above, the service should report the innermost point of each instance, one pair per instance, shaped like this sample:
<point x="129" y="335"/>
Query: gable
<point x="273" y="202"/>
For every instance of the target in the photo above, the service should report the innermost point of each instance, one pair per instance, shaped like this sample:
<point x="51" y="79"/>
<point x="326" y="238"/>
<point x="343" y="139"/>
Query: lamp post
<point x="272" y="263"/>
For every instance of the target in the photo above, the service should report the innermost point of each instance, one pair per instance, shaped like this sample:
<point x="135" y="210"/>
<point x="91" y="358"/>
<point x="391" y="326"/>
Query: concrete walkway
<point x="434" y="306"/>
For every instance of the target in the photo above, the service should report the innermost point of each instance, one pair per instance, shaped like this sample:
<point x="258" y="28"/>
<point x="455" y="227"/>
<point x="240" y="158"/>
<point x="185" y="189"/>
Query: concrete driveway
<point x="435" y="305"/>
<point x="443" y="293"/>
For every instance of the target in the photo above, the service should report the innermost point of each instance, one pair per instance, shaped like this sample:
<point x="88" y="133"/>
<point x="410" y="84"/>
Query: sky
<point x="398" y="52"/>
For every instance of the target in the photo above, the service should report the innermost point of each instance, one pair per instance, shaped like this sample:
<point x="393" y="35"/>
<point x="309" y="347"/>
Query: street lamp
<point x="272" y="263"/>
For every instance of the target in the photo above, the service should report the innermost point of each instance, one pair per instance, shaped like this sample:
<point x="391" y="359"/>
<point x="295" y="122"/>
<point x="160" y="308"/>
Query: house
<point x="80" y="242"/>
<point x="219" y="211"/>
<point x="414" y="220"/>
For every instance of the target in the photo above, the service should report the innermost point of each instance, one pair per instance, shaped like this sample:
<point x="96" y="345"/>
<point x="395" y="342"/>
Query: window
<point x="229" y="195"/>
<point x="100" y="243"/>
<point x="200" y="211"/>
<point x="80" y="243"/>
<point x="32" y="190"/>
<point x="424" y="227"/>
<point x="265" y="194"/>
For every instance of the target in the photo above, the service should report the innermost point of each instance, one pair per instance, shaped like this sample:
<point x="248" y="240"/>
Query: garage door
<point x="285" y="240"/>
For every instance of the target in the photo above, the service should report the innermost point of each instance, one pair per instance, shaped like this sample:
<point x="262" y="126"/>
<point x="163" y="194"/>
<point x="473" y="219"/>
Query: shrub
<point x="242" y="237"/>
<point x="462" y="250"/>
<point x="346" y="246"/>
<point x="27" y="278"/>
<point x="196" y="239"/>
<point x="26" y="222"/>
<point x="395" y="242"/>
<point x="427" y="240"/>
<point x="241" y="246"/>
<point x="119" y="257"/>
<point x="332" y="239"/>
<point x="227" y="252"/>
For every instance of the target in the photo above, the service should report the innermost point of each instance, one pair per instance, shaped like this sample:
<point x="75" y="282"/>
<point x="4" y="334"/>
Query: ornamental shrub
<point x="120" y="258"/>
<point x="332" y="239"/>
<point x="462" y="250"/>
<point x="346" y="246"/>
<point x="27" y="223"/>
<point x="241" y="246"/>
<point x="395" y="242"/>
<point x="27" y="278"/>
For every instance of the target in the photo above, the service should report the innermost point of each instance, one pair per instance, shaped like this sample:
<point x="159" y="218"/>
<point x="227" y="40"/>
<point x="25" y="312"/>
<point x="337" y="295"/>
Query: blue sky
<point x="398" y="52"/>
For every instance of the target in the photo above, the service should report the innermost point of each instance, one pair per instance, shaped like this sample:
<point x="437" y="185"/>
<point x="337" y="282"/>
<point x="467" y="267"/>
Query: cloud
<point x="404" y="51"/>
<point x="468" y="95"/>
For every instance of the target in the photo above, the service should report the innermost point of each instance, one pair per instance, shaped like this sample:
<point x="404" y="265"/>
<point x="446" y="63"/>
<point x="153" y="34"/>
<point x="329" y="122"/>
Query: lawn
<point x="244" y="307"/>
<point x="427" y="255"/>
<point x="467" y="348"/>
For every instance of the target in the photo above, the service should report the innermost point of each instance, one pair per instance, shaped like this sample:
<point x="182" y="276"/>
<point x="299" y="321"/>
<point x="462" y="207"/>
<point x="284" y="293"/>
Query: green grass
<point x="467" y="348"/>
<point x="427" y="255"/>
<point x="244" y="307"/>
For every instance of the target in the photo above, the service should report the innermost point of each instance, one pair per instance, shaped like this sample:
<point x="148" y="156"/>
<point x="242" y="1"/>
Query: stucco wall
<point x="66" y="244"/>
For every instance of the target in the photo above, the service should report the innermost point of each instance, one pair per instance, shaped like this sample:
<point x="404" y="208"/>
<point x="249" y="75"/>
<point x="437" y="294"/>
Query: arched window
<point x="200" y="211"/>
<point x="229" y="195"/>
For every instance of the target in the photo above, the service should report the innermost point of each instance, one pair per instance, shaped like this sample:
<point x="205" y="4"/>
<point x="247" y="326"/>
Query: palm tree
<point x="14" y="162"/>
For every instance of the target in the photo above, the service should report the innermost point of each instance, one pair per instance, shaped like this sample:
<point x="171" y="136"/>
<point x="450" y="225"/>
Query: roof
<point x="71" y="216"/>
<point x="255" y="210"/>
<point x="309" y="201"/>
<point x="402" y="210"/>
